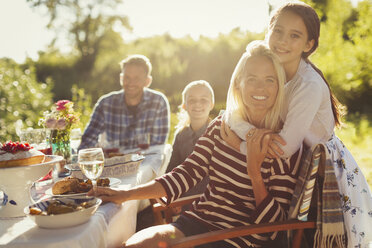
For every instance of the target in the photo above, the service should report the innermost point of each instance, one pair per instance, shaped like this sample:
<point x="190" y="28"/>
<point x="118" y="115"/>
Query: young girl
<point x="240" y="191"/>
<point x="197" y="102"/>
<point x="310" y="113"/>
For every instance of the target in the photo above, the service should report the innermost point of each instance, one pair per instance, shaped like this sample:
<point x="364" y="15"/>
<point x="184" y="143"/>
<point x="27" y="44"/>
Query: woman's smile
<point x="259" y="98"/>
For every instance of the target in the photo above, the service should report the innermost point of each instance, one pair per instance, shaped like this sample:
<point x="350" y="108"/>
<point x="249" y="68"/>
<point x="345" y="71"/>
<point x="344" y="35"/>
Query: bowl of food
<point x="62" y="212"/>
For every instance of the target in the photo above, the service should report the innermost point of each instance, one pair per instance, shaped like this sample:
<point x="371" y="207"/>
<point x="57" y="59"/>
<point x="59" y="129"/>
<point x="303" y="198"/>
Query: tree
<point x="360" y="77"/>
<point x="21" y="98"/>
<point x="87" y="22"/>
<point x="60" y="68"/>
<point x="345" y="52"/>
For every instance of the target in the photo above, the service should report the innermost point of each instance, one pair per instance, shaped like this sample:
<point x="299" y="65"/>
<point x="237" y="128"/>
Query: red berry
<point x="14" y="147"/>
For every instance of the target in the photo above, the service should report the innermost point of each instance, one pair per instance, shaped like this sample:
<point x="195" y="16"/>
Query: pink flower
<point x="61" y="124"/>
<point x="61" y="117"/>
<point x="50" y="123"/>
<point x="61" y="104"/>
<point x="71" y="117"/>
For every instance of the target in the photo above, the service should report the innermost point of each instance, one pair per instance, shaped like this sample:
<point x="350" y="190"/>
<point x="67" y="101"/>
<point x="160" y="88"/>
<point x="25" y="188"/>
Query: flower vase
<point x="61" y="146"/>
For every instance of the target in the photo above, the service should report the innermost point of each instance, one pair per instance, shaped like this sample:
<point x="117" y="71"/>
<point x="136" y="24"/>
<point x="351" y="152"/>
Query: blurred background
<point x="71" y="49"/>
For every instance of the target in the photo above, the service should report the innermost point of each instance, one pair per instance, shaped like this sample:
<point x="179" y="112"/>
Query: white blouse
<point x="307" y="112"/>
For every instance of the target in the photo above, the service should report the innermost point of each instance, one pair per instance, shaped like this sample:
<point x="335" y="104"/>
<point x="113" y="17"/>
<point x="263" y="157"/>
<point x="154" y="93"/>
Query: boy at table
<point x="121" y="116"/>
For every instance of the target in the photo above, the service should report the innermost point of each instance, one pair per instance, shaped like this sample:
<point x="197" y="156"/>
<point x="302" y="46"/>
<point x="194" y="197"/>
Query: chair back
<point x="308" y="174"/>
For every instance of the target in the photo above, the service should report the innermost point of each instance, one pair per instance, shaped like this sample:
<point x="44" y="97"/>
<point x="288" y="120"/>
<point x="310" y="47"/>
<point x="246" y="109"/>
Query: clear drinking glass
<point x="37" y="138"/>
<point x="75" y="139"/>
<point x="91" y="162"/>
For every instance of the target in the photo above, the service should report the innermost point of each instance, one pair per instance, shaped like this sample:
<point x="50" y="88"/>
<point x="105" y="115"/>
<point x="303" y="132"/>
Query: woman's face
<point x="198" y="102"/>
<point x="288" y="38"/>
<point x="259" y="85"/>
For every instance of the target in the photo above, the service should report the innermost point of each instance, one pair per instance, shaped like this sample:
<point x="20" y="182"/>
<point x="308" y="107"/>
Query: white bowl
<point x="16" y="181"/>
<point x="116" y="166"/>
<point x="64" y="220"/>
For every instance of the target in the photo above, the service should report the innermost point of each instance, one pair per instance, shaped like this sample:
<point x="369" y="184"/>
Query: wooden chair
<point x="293" y="224"/>
<point x="164" y="214"/>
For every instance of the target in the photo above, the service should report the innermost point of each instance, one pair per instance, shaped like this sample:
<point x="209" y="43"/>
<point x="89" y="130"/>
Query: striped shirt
<point x="120" y="125"/>
<point x="229" y="200"/>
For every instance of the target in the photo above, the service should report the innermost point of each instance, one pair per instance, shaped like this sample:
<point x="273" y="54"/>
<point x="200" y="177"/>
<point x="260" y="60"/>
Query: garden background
<point x="92" y="69"/>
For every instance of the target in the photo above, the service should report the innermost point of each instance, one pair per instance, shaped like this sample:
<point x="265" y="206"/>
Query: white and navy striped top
<point x="229" y="200"/>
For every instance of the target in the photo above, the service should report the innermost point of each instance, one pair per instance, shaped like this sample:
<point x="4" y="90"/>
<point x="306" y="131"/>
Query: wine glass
<point x="91" y="162"/>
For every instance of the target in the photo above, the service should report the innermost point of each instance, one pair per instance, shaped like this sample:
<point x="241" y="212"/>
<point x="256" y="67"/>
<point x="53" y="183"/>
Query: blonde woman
<point x="242" y="189"/>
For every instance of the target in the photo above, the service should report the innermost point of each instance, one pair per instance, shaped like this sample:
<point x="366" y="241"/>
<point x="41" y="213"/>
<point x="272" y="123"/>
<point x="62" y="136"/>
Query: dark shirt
<point x="183" y="145"/>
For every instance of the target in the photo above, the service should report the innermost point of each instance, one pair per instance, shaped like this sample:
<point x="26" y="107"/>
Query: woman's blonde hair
<point x="183" y="116"/>
<point x="234" y="96"/>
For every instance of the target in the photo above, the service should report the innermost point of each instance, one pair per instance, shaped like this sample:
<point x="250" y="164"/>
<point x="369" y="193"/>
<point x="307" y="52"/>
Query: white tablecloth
<point x="109" y="227"/>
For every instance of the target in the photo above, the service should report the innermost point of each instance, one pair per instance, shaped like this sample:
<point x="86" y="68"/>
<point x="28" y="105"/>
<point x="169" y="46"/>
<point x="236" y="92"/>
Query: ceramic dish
<point x="64" y="220"/>
<point x="113" y="182"/>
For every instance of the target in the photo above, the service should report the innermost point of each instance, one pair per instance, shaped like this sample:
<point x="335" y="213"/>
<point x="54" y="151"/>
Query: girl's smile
<point x="288" y="38"/>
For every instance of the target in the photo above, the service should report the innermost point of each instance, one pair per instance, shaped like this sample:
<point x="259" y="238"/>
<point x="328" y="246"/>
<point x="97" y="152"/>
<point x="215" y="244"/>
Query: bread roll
<point x="68" y="184"/>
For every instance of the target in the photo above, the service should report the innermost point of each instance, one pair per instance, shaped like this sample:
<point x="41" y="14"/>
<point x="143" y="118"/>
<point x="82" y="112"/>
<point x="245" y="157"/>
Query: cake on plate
<point x="13" y="154"/>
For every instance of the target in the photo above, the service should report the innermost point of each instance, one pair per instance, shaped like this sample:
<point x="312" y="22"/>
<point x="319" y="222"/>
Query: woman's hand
<point x="257" y="147"/>
<point x="274" y="150"/>
<point x="229" y="136"/>
<point x="108" y="194"/>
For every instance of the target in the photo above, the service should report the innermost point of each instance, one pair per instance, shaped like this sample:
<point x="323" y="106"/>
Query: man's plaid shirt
<point x="112" y="117"/>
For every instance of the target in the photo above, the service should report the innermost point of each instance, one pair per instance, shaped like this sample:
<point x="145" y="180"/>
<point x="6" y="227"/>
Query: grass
<point x="356" y="136"/>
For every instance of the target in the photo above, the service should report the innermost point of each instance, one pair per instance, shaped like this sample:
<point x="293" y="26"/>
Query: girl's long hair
<point x="234" y="101"/>
<point x="312" y="23"/>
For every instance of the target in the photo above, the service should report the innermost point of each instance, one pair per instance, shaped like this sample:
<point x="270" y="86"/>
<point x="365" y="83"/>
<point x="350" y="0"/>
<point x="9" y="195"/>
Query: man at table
<point x="121" y="116"/>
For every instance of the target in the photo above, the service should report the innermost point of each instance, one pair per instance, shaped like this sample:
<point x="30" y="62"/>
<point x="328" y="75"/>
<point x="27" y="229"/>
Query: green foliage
<point x="87" y="22"/>
<point x="174" y="121"/>
<point x="357" y="137"/>
<point x="360" y="96"/>
<point x="52" y="65"/>
<point x="21" y="98"/>
<point x="345" y="52"/>
<point x="82" y="104"/>
<point x="89" y="25"/>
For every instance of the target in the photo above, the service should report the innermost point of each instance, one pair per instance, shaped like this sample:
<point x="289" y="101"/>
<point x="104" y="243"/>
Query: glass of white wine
<point x="91" y="162"/>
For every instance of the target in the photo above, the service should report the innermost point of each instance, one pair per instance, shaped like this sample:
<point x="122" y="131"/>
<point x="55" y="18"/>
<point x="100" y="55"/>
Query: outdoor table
<point x="108" y="227"/>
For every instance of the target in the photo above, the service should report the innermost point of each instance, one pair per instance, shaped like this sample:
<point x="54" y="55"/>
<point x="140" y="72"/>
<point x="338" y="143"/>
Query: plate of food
<point x="73" y="186"/>
<point x="62" y="212"/>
